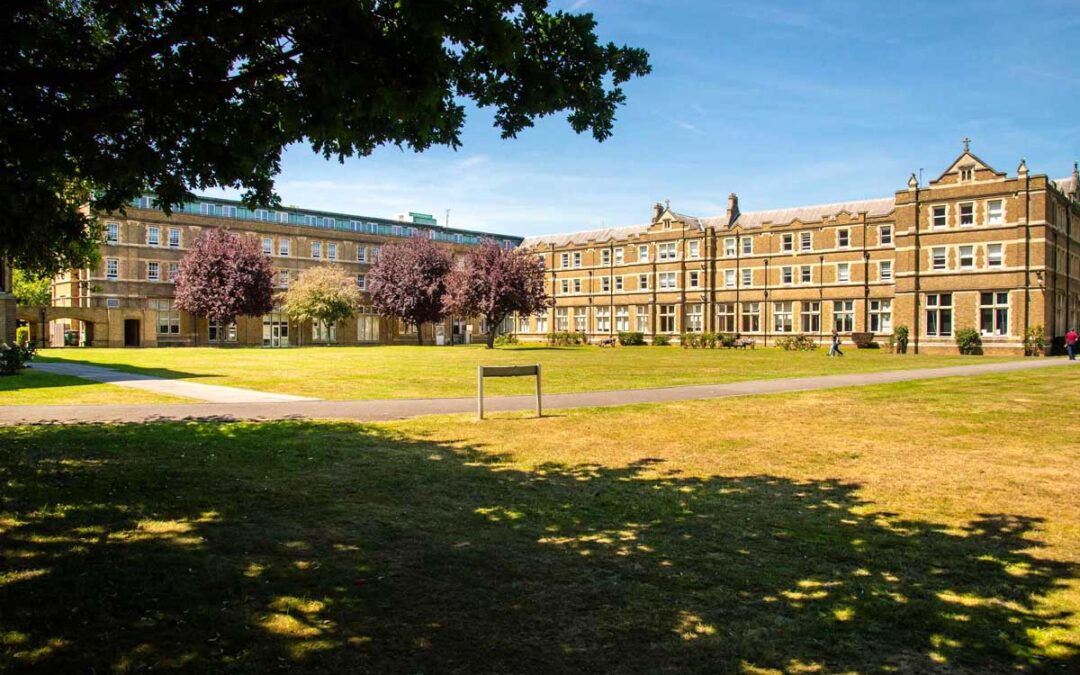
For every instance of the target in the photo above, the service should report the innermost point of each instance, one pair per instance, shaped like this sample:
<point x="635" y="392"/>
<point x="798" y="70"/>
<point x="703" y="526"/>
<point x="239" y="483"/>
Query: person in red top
<point x="1070" y="344"/>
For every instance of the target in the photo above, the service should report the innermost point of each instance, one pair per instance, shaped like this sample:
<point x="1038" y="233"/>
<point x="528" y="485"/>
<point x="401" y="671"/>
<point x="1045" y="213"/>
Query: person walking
<point x="1070" y="344"/>
<point x="834" y="350"/>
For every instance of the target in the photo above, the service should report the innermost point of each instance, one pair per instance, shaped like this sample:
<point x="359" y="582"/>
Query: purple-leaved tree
<point x="496" y="282"/>
<point x="224" y="276"/>
<point x="409" y="282"/>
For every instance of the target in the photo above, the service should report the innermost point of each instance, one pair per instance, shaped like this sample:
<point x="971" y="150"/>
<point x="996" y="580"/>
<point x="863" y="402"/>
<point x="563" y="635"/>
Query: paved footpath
<point x="210" y="393"/>
<point x="370" y="411"/>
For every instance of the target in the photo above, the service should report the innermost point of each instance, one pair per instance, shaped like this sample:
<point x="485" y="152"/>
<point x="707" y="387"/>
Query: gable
<point x="967" y="161"/>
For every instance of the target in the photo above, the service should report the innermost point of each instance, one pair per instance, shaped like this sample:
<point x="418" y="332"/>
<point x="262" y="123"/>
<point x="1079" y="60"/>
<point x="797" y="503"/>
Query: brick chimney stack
<point x="732" y="208"/>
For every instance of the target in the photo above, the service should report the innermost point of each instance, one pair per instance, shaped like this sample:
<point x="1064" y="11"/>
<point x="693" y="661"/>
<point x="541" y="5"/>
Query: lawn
<point x="424" y="372"/>
<point x="928" y="526"/>
<point x="35" y="387"/>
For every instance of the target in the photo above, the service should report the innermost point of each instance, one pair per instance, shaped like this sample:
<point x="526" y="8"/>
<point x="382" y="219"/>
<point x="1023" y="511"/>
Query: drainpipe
<point x="710" y="247"/>
<point x="611" y="288"/>
<point x="918" y="266"/>
<point x="866" y="280"/>
<point x="738" y="286"/>
<point x="554" y="292"/>
<point x="821" y="296"/>
<point x="1027" y="248"/>
<point x="652" y="288"/>
<point x="1068" y="258"/>
<point x="765" y="340"/>
<point x="682" y="280"/>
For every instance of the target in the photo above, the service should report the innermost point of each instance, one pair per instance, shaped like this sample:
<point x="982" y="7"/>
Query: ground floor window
<point x="168" y="317"/>
<point x="694" y="318"/>
<point x="725" y="314"/>
<point x="220" y="332"/>
<point x="541" y="323"/>
<point x="881" y="316"/>
<point x="622" y="319"/>
<point x="782" y="317"/>
<point x="751" y="317"/>
<point x="367" y="326"/>
<point x="603" y="319"/>
<point x="322" y="331"/>
<point x="642" y="317"/>
<point x="994" y="313"/>
<point x="561" y="323"/>
<point x="939" y="314"/>
<point x="579" y="319"/>
<point x="843" y="315"/>
<point x="275" y="330"/>
<point x="523" y="324"/>
<point x="810" y="317"/>
<point x="667" y="319"/>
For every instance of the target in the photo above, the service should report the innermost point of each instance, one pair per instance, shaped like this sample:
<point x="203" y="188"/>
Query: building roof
<point x="1068" y="185"/>
<point x="809" y="214"/>
<point x="585" y="236"/>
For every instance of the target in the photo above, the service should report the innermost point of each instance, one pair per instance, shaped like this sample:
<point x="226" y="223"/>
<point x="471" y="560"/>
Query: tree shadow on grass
<point x="345" y="548"/>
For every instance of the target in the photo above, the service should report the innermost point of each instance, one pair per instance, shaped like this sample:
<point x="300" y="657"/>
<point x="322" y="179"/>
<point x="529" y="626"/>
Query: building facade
<point x="128" y="299"/>
<point x="7" y="304"/>
<point x="974" y="248"/>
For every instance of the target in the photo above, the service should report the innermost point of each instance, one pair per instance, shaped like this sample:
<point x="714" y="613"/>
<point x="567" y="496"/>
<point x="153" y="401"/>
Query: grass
<point x="425" y="372"/>
<point x="927" y="526"/>
<point x="36" y="387"/>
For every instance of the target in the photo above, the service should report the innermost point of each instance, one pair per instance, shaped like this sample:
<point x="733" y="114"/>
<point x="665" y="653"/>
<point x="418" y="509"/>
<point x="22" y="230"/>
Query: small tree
<point x="409" y="282"/>
<point x="494" y="283"/>
<point x="322" y="294"/>
<point x="224" y="276"/>
<point x="31" y="290"/>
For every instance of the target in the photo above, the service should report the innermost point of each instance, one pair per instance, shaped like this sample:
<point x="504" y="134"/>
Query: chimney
<point x="657" y="209"/>
<point x="732" y="208"/>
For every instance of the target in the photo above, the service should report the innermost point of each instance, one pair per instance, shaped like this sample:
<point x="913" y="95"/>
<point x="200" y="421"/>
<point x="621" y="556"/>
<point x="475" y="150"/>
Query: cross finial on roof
<point x="667" y="203"/>
<point x="967" y="144"/>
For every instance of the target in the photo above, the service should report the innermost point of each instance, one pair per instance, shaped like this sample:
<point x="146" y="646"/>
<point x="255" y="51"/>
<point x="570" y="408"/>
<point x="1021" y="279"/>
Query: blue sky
<point x="784" y="103"/>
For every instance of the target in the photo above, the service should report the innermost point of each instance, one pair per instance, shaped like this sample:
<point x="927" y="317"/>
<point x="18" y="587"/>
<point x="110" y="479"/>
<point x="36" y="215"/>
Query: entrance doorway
<point x="131" y="332"/>
<point x="275" y="330"/>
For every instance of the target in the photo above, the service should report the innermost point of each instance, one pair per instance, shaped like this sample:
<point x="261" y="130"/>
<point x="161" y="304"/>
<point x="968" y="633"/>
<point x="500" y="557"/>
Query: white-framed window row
<point x="729" y="247"/>
<point x="783" y="317"/>
<point x="695" y="322"/>
<point x="747" y="276"/>
<point x="316" y="250"/>
<point x="994" y="313"/>
<point x="268" y="245"/>
<point x="787" y="242"/>
<point x="620" y="255"/>
<point x="747" y="246"/>
<point x="112" y="233"/>
<point x="667" y="280"/>
<point x="885" y="270"/>
<point x="331" y="251"/>
<point x="729" y="278"/>
<point x="843" y="273"/>
<point x="693" y="279"/>
<point x="667" y="251"/>
<point x="564" y="287"/>
<point x="939" y="318"/>
<point x="806" y="274"/>
<point x="693" y="248"/>
<point x="622" y="318"/>
<point x="361" y="282"/>
<point x="112" y="268"/>
<point x="939" y="258"/>
<point x="153" y="270"/>
<point x="881" y="316"/>
<point x="806" y="241"/>
<point x="174" y="237"/>
<point x="885" y="235"/>
<point x="967" y="213"/>
<point x="843" y="238"/>
<point x="605" y="284"/>
<point x="153" y="235"/>
<point x="283" y="247"/>
<point x="939" y="216"/>
<point x="995" y="212"/>
<point x="787" y="275"/>
<point x="995" y="255"/>
<point x="966" y="257"/>
<point x="619" y="283"/>
<point x="174" y="270"/>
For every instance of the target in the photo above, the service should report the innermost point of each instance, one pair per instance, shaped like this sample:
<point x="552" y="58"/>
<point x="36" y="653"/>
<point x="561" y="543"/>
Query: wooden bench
<point x="606" y="342"/>
<point x="744" y="343"/>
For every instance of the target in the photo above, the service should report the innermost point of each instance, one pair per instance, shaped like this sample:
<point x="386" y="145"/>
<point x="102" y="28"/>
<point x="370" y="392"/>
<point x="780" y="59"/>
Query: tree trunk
<point x="493" y="328"/>
<point x="419" y="334"/>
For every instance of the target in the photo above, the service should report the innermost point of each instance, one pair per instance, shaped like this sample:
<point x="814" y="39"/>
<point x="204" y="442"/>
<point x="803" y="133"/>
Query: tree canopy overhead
<point x="179" y="95"/>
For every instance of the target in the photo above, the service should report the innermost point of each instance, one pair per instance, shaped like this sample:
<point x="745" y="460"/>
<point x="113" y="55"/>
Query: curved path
<point x="376" y="410"/>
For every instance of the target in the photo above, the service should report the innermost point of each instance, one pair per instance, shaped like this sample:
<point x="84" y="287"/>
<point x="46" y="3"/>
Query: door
<point x="131" y="332"/>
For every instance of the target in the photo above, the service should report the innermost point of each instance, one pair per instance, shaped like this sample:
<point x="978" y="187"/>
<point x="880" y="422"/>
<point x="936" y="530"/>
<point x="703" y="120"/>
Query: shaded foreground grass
<point x="928" y="526"/>
<point x="428" y="372"/>
<point x="36" y="387"/>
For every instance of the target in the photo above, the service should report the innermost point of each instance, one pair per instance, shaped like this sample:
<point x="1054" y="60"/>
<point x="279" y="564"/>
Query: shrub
<point x="563" y="338"/>
<point x="661" y="340"/>
<point x="709" y="340"/>
<point x="1034" y="341"/>
<point x="901" y="339"/>
<point x="862" y="340"/>
<point x="22" y="335"/>
<point x="628" y="339"/>
<point x="14" y="358"/>
<point x="796" y="343"/>
<point x="503" y="339"/>
<point x="727" y="340"/>
<point x="969" y="341"/>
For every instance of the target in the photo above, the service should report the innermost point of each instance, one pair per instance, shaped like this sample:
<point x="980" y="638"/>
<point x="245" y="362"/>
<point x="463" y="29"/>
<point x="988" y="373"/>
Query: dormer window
<point x="967" y="173"/>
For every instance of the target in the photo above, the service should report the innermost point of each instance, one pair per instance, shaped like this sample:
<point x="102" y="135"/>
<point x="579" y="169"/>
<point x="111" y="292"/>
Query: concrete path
<point x="368" y="411"/>
<point x="210" y="393"/>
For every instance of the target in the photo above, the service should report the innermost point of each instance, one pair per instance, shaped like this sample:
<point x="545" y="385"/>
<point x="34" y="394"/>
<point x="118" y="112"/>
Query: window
<point x="577" y="258"/>
<point x="565" y="286"/>
<point x="694" y="249"/>
<point x="751" y="317"/>
<point x="843" y="272"/>
<point x="541" y="324"/>
<point x="283" y="278"/>
<point x="967" y="257"/>
<point x="222" y="332"/>
<point x="153" y="271"/>
<point x="782" y="317"/>
<point x="729" y="247"/>
<point x="939" y="314"/>
<point x="316" y="250"/>
<point x="262" y="214"/>
<point x="695" y="279"/>
<point x="967" y="173"/>
<point x="747" y="277"/>
<point x="112" y="303"/>
<point x="643" y="282"/>
<point x="375" y="250"/>
<point x="994" y="313"/>
<point x="579" y="319"/>
<point x="967" y="214"/>
<point x="843" y="315"/>
<point x="694" y="318"/>
<point x="747" y="246"/>
<point x="995" y="212"/>
<point x="168" y="317"/>
<point x="881" y="316"/>
<point x="174" y="237"/>
<point x="641" y="317"/>
<point x="174" y="269"/>
<point x="361" y="253"/>
<point x="153" y="235"/>
<point x="577" y="286"/>
<point x="112" y="233"/>
<point x="565" y="260"/>
<point x="787" y="243"/>
<point x="561" y="323"/>
<point x="729" y="278"/>
<point x="361" y="281"/>
<point x="619" y="256"/>
<point x="666" y="251"/>
<point x="938" y="257"/>
<point x="228" y="211"/>
<point x="618" y="283"/>
<point x="994" y="256"/>
<point x="268" y="245"/>
<point x="806" y="274"/>
<point x="667" y="318"/>
<point x="603" y="319"/>
<point x="939" y="219"/>
<point x="605" y="257"/>
<point x="667" y="280"/>
<point x="283" y="247"/>
<point x="885" y="270"/>
<point x="523" y="324"/>
<point x="643" y="253"/>
<point x="331" y="251"/>
<point x="843" y="238"/>
<point x="622" y="319"/>
<point x="605" y="284"/>
<point x="810" y="317"/>
<point x="112" y="268"/>
<point x="323" y="332"/>
<point x="806" y="241"/>
<point x="725" y="313"/>
<point x="787" y="275"/>
<point x="886" y="235"/>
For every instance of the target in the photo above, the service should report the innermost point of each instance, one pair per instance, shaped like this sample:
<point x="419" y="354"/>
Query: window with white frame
<point x="618" y="283"/>
<point x="316" y="250"/>
<point x="361" y="253"/>
<point x="787" y="242"/>
<point x="375" y="251"/>
<point x="577" y="259"/>
<point x="541" y="323"/>
<point x="268" y="245"/>
<point x="561" y="322"/>
<point x="174" y="269"/>
<point x="577" y="286"/>
<point x="603" y="319"/>
<point x="843" y="238"/>
<point x="153" y="271"/>
<point x="806" y="274"/>
<point x="939" y="257"/>
<point x="885" y="270"/>
<point x="967" y="173"/>
<point x="361" y="282"/>
<point x="219" y="332"/>
<point x="843" y="315"/>
<point x="967" y="257"/>
<point x="667" y="280"/>
<point x="153" y="235"/>
<point x="643" y="253"/>
<point x="967" y="214"/>
<point x="643" y="282"/>
<point x="994" y="256"/>
<point x="782" y="317"/>
<point x="331" y="251"/>
<point x="167" y="316"/>
<point x="641" y="318"/>
<point x="580" y="319"/>
<point x="806" y="241"/>
<point x="174" y="237"/>
<point x="693" y="248"/>
<point x="751" y="317"/>
<point x="622" y="319"/>
<point x="666" y="251"/>
<point x="843" y="272"/>
<point x="523" y="324"/>
<point x="112" y="233"/>
<point x="605" y="284"/>
<point x="694" y="279"/>
<point x="694" y="318"/>
<point x="881" y="316"/>
<point x="565" y="285"/>
<point x="787" y="275"/>
<point x="995" y="212"/>
<point x="725" y="315"/>
<point x="994" y="313"/>
<point x="747" y="246"/>
<point x="810" y="316"/>
<point x="322" y="331"/>
<point x="729" y="247"/>
<point x="228" y="211"/>
<point x="885" y="233"/>
<point x="747" y="277"/>
<point x="667" y="319"/>
<point x="729" y="278"/>
<point x="939" y="314"/>
<point x="564" y="260"/>
<point x="619" y="256"/>
<point x="939" y="218"/>
<point x="605" y="257"/>
<point x="283" y="247"/>
<point x="112" y="268"/>
<point x="283" y="278"/>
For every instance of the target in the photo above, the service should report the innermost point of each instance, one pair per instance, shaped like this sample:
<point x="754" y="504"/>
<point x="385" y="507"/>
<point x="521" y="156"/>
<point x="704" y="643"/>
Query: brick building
<point x="972" y="248"/>
<point x="7" y="304"/>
